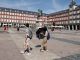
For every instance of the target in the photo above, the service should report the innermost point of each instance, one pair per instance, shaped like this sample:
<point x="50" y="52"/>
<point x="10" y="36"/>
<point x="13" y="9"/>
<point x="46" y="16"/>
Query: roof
<point x="20" y="11"/>
<point x="59" y="12"/>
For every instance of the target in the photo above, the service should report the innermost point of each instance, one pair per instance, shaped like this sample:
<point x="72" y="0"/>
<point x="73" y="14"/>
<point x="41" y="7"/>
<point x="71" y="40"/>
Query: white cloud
<point x="20" y="5"/>
<point x="50" y="11"/>
<point x="32" y="6"/>
<point x="57" y="6"/>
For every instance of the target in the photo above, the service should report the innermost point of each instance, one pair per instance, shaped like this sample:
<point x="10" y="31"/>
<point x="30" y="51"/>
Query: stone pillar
<point x="0" y="24"/>
<point x="68" y="27"/>
<point x="72" y="27"/>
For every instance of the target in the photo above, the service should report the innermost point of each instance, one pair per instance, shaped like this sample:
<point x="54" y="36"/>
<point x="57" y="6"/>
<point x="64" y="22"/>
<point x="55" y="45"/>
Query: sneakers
<point x="46" y="50"/>
<point x="22" y="52"/>
<point x="28" y="54"/>
<point x="41" y="50"/>
<point x="30" y="48"/>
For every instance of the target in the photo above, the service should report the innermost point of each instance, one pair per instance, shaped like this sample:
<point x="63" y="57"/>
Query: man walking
<point x="28" y="37"/>
<point x="43" y="35"/>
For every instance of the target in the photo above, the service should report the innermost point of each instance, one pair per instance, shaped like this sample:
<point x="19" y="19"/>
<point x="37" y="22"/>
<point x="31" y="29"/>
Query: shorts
<point x="27" y="41"/>
<point x="43" y="41"/>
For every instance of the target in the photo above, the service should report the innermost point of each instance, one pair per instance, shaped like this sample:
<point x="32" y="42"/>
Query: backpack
<point x="37" y="33"/>
<point x="30" y="33"/>
<point x="48" y="36"/>
<point x="41" y="35"/>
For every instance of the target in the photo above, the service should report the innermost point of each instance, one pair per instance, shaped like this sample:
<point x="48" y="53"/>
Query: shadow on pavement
<point x="38" y="46"/>
<point x="71" y="57"/>
<point x="4" y="32"/>
<point x="66" y="40"/>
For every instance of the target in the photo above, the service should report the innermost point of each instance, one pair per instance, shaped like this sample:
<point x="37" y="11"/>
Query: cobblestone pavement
<point x="63" y="45"/>
<point x="8" y="49"/>
<point x="35" y="53"/>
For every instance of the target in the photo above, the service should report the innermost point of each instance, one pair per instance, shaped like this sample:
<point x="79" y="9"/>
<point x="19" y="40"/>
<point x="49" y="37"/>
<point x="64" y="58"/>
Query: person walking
<point x="28" y="37"/>
<point x="18" y="28"/>
<point x="5" y="28"/>
<point x="43" y="35"/>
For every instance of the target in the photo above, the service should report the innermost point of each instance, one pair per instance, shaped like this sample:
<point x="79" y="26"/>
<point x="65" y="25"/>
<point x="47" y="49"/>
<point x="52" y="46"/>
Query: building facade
<point x="15" y="17"/>
<point x="69" y="18"/>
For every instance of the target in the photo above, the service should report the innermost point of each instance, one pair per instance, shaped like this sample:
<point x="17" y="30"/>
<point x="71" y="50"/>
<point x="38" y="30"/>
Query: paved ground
<point x="63" y="45"/>
<point x="8" y="48"/>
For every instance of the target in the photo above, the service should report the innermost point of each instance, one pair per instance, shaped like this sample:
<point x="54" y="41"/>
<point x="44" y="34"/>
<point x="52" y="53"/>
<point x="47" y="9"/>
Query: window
<point x="77" y="16"/>
<point x="70" y="21"/>
<point x="74" y="17"/>
<point x="63" y="22"/>
<point x="74" y="21"/>
<point x="4" y="20"/>
<point x="15" y="13"/>
<point x="26" y="21"/>
<point x="74" y="12"/>
<point x="4" y="16"/>
<point x="70" y="13"/>
<point x="1" y="20"/>
<point x="9" y="20"/>
<point x="77" y="21"/>
<point x="2" y="12"/>
<point x="78" y="11"/>
<point x="70" y="17"/>
<point x="7" y="12"/>
<point x="7" y="16"/>
<point x="12" y="20"/>
<point x="10" y="14"/>
<point x="17" y="21"/>
<point x="20" y="14"/>
<point x="66" y="22"/>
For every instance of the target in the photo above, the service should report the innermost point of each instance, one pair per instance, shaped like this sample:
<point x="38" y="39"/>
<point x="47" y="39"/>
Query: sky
<point x="47" y="6"/>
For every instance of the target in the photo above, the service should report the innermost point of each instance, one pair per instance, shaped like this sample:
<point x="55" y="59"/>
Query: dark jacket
<point x="40" y="33"/>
